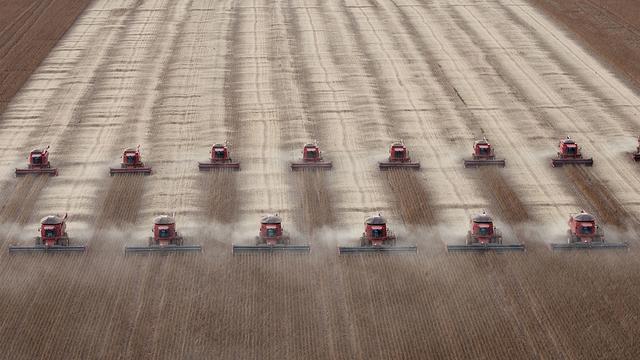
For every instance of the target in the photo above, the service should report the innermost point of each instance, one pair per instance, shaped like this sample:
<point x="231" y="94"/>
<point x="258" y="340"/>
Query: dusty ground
<point x="29" y="29"/>
<point x="268" y="76"/>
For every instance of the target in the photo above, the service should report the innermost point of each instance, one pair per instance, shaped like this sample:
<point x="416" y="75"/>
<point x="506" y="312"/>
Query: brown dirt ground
<point x="29" y="29"/>
<point x="610" y="27"/>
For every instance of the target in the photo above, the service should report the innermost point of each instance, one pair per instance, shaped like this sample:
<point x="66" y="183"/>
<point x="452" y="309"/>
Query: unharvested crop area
<point x="269" y="76"/>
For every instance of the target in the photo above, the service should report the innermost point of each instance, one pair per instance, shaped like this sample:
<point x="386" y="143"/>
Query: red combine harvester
<point x="484" y="236"/>
<point x="377" y="238"/>
<point x="584" y="233"/>
<point x="311" y="159"/>
<point x="219" y="159"/>
<point x="570" y="153"/>
<point x="636" y="155"/>
<point x="483" y="155"/>
<point x="38" y="163"/>
<point x="399" y="158"/>
<point x="131" y="163"/>
<point x="53" y="237"/>
<point x="272" y="238"/>
<point x="165" y="238"/>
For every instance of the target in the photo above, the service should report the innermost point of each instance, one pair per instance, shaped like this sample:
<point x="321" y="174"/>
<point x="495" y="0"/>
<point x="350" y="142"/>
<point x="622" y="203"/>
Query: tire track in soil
<point x="505" y="201"/>
<point x="590" y="190"/>
<point x="494" y="297"/>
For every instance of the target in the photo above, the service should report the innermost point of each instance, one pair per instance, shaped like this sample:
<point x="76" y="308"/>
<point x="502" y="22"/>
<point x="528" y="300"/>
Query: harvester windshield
<point x="49" y="233"/>
<point x="483" y="150"/>
<point x="36" y="159"/>
<point x="376" y="232"/>
<point x="484" y="230"/>
<point x="398" y="153"/>
<point x="131" y="158"/>
<point x="586" y="229"/>
<point x="272" y="232"/>
<point x="218" y="153"/>
<point x="572" y="149"/>
<point x="312" y="153"/>
<point x="164" y="232"/>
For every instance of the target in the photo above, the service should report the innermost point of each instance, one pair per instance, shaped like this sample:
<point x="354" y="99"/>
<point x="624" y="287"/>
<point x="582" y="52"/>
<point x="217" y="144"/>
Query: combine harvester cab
<point x="399" y="158"/>
<point x="53" y="237"/>
<point x="131" y="163"/>
<point x="377" y="239"/>
<point x="585" y="234"/>
<point x="483" y="155"/>
<point x="271" y="239"/>
<point x="38" y="164"/>
<point x="569" y="153"/>
<point x="165" y="239"/>
<point x="484" y="236"/>
<point x="311" y="159"/>
<point x="636" y="155"/>
<point x="219" y="159"/>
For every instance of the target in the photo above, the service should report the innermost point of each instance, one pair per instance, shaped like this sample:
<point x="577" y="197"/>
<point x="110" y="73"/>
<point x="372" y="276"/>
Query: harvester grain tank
<point x="377" y="238"/>
<point x="37" y="164"/>
<point x="311" y="159"/>
<point x="53" y="237"/>
<point x="484" y="236"/>
<point x="399" y="158"/>
<point x="271" y="238"/>
<point x="131" y="163"/>
<point x="584" y="233"/>
<point x="219" y="159"/>
<point x="570" y="153"/>
<point x="165" y="238"/>
<point x="483" y="155"/>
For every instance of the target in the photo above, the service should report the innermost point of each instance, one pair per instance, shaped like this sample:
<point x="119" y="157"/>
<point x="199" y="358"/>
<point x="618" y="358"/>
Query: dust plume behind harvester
<point x="569" y="153"/>
<point x="165" y="238"/>
<point x="399" y="158"/>
<point x="38" y="164"/>
<point x="131" y="163"/>
<point x="377" y="238"/>
<point x="53" y="237"/>
<point x="311" y="159"/>
<point x="584" y="233"/>
<point x="483" y="155"/>
<point x="219" y="159"/>
<point x="484" y="236"/>
<point x="271" y="238"/>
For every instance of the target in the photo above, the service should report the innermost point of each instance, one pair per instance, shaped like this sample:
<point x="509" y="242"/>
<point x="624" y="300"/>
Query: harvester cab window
<point x="398" y="153"/>
<point x="272" y="232"/>
<point x="376" y="232"/>
<point x="49" y="233"/>
<point x="586" y="229"/>
<point x="312" y="154"/>
<point x="572" y="149"/>
<point x="484" y="230"/>
<point x="484" y="150"/>
<point x="131" y="159"/>
<point x="218" y="153"/>
<point x="36" y="159"/>
<point x="164" y="232"/>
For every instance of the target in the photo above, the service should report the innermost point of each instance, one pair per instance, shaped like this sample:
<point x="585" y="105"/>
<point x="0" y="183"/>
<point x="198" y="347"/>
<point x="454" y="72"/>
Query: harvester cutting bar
<point x="42" y="248"/>
<point x="240" y="249"/>
<point x="557" y="162"/>
<point x="162" y="249"/>
<point x="486" y="247"/>
<point x="399" y="165"/>
<point x="205" y="166"/>
<point x="377" y="249"/>
<point x="138" y="170"/>
<point x="476" y="163"/>
<point x="590" y="246"/>
<point x="320" y="165"/>
<point x="37" y="171"/>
